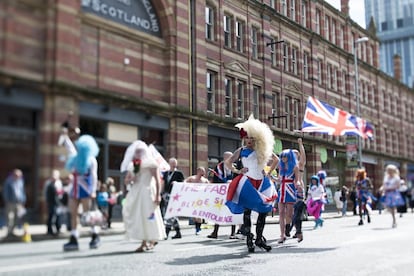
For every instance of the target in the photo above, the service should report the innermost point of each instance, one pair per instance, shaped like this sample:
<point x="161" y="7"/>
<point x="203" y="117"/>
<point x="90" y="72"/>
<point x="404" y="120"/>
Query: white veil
<point x="130" y="152"/>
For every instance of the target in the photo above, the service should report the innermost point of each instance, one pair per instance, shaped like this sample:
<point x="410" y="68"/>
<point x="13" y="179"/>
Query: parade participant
<point x="300" y="204"/>
<point x="362" y="187"/>
<point x="141" y="211"/>
<point x="199" y="177"/>
<point x="343" y="198"/>
<point x="298" y="210"/>
<point x="169" y="177"/>
<point x="390" y="187"/>
<point x="222" y="174"/>
<point x="288" y="177"/>
<point x="316" y="200"/>
<point x="83" y="165"/>
<point x="252" y="189"/>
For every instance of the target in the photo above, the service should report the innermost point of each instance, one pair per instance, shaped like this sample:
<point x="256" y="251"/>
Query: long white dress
<point x="142" y="217"/>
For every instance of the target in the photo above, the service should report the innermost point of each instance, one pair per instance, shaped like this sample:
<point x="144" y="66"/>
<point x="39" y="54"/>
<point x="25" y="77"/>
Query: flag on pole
<point x="323" y="118"/>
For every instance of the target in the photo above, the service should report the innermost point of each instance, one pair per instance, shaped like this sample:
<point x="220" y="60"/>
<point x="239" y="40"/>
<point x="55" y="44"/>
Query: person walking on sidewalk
<point x="141" y="211"/>
<point x="252" y="189"/>
<point x="169" y="177"/>
<point x="83" y="165"/>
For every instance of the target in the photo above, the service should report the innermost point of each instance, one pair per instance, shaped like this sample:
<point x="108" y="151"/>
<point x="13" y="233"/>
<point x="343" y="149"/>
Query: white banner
<point x="200" y="200"/>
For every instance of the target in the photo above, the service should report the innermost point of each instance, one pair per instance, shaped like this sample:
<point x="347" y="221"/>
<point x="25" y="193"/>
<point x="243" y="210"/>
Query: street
<point x="340" y="247"/>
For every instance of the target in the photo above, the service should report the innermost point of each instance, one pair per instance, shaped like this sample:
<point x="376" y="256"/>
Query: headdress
<point x="287" y="169"/>
<point x="86" y="147"/>
<point x="263" y="136"/>
<point x="361" y="174"/>
<point x="130" y="152"/>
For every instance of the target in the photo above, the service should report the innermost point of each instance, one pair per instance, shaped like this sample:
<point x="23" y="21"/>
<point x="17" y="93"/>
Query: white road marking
<point x="14" y="268"/>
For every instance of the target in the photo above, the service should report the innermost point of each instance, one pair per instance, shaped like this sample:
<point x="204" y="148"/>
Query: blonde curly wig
<point x="263" y="136"/>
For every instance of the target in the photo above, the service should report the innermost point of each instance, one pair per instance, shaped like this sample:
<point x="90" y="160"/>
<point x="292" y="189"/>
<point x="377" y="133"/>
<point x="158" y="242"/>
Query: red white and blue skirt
<point x="287" y="191"/>
<point x="82" y="186"/>
<point x="246" y="193"/>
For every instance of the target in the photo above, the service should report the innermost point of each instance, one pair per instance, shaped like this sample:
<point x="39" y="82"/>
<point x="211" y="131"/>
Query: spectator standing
<point x="53" y="194"/>
<point x="344" y="199"/>
<point x="402" y="209"/>
<point x="14" y="197"/>
<point x="112" y="199"/>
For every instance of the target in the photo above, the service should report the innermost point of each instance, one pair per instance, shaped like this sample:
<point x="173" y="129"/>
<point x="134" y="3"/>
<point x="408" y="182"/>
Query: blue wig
<point x="291" y="162"/>
<point x="86" y="148"/>
<point x="314" y="177"/>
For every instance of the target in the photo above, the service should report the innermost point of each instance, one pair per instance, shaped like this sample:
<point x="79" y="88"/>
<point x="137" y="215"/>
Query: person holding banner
<point x="198" y="178"/>
<point x="169" y="177"/>
<point x="141" y="211"/>
<point x="252" y="189"/>
<point x="222" y="174"/>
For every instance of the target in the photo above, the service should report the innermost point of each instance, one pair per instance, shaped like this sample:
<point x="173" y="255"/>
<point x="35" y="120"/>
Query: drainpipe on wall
<point x="193" y="85"/>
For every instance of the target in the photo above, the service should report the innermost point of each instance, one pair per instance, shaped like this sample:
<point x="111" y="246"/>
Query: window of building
<point x="294" y="61"/>
<point x="256" y="93"/>
<point x="240" y="99"/>
<point x="275" y="107"/>
<point x="305" y="65"/>
<point x="341" y="37"/>
<point x="239" y="35"/>
<point x="273" y="57"/>
<point x="293" y="10"/>
<point x="384" y="26"/>
<point x="211" y="91"/>
<point x="334" y="79"/>
<point x="287" y="111"/>
<point x="303" y="14"/>
<point x="228" y="83"/>
<point x="272" y="4"/>
<point x="227" y="31"/>
<point x="329" y="75"/>
<point x="286" y="57"/>
<point x="209" y="18"/>
<point x="327" y="29"/>
<point x="345" y="80"/>
<point x="333" y="32"/>
<point x="254" y="39"/>
<point x="400" y="23"/>
<point x="284" y="7"/>
<point x="296" y="115"/>
<point x="319" y="70"/>
<point x="318" y="22"/>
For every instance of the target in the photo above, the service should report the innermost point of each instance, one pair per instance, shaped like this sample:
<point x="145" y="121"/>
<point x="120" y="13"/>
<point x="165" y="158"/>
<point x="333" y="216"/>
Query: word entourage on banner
<point x="206" y="201"/>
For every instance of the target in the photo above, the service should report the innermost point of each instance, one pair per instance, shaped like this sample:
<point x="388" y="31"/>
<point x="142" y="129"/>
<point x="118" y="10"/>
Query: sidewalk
<point x="38" y="232"/>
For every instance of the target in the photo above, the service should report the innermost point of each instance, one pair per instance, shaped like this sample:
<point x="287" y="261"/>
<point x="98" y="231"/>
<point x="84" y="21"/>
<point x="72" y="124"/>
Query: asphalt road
<point x="340" y="247"/>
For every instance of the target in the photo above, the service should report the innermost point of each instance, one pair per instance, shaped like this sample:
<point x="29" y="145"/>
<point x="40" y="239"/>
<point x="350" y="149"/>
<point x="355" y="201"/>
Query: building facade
<point x="180" y="74"/>
<point x="394" y="22"/>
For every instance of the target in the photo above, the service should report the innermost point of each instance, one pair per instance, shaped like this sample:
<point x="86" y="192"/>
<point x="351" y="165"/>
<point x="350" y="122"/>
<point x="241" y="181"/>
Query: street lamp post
<point x="360" y="40"/>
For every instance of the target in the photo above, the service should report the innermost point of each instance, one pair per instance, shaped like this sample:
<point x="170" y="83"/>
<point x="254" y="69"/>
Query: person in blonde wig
<point x="141" y="211"/>
<point x="252" y="188"/>
<point x="390" y="188"/>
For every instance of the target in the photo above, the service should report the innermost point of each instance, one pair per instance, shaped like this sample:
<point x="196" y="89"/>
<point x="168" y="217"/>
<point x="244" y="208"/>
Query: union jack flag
<point x="323" y="118"/>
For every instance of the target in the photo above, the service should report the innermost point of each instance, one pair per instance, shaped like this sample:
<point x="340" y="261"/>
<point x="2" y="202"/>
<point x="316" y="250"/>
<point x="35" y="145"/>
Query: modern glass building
<point x="394" y="21"/>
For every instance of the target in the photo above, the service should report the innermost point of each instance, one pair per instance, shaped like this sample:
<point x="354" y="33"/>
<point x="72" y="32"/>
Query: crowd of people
<point x="251" y="187"/>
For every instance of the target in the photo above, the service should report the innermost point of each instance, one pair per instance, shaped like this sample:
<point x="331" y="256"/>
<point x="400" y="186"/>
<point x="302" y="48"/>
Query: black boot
<point x="72" y="245"/>
<point x="260" y="242"/>
<point x="249" y="242"/>
<point x="361" y="222"/>
<point x="177" y="235"/>
<point x="167" y="231"/>
<point x="368" y="219"/>
<point x="287" y="230"/>
<point x="95" y="242"/>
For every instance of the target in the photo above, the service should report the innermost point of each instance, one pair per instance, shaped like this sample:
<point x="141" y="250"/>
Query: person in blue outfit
<point x="14" y="197"/>
<point x="252" y="188"/>
<point x="83" y="165"/>
<point x="362" y="187"/>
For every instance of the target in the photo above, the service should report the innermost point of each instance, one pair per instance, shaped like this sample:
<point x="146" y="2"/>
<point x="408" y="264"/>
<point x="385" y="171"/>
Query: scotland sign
<point x="136" y="14"/>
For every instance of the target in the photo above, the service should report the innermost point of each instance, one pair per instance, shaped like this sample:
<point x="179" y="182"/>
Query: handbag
<point x="93" y="217"/>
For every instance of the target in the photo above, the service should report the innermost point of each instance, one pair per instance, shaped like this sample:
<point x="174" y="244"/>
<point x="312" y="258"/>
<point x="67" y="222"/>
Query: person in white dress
<point x="141" y="211"/>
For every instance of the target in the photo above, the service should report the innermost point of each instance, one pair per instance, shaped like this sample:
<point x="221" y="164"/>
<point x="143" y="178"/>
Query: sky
<point x="356" y="10"/>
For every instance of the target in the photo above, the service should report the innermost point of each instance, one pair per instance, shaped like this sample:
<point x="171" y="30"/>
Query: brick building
<point x="180" y="74"/>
